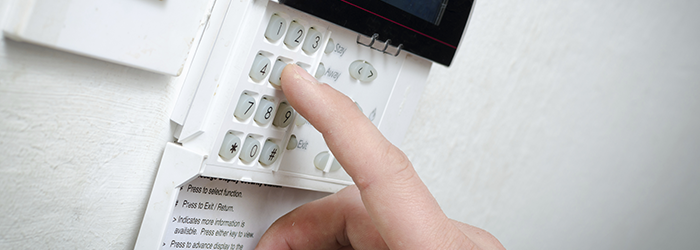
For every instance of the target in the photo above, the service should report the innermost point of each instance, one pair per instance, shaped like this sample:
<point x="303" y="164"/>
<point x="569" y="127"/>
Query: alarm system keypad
<point x="233" y="123"/>
<point x="258" y="132"/>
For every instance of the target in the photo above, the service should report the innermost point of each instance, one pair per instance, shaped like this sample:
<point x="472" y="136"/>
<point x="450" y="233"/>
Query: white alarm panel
<point x="233" y="112"/>
<point x="243" y="156"/>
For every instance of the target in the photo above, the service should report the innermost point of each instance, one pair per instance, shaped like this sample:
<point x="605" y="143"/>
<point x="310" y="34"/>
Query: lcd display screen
<point x="429" y="10"/>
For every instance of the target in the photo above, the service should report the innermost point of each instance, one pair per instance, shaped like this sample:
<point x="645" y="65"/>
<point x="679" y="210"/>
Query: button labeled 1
<point x="363" y="71"/>
<point x="275" y="28"/>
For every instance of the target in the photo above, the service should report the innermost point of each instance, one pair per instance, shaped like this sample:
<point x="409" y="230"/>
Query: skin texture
<point x="389" y="208"/>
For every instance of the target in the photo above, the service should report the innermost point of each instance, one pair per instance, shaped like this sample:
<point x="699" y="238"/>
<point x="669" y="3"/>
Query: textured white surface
<point x="561" y="125"/>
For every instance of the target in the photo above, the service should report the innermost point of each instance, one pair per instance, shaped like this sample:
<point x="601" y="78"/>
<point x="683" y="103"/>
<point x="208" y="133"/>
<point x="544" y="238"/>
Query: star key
<point x="229" y="146"/>
<point x="234" y="147"/>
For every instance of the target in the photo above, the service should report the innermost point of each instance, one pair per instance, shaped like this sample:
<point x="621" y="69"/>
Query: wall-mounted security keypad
<point x="261" y="130"/>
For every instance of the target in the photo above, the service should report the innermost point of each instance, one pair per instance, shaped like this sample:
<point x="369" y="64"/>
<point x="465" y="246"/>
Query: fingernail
<point x="301" y="73"/>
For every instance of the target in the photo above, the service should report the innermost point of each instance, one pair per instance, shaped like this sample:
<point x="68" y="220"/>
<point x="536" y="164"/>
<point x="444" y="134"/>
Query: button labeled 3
<point x="313" y="41"/>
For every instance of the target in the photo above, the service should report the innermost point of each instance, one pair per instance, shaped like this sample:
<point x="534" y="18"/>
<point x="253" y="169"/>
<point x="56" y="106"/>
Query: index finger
<point x="400" y="205"/>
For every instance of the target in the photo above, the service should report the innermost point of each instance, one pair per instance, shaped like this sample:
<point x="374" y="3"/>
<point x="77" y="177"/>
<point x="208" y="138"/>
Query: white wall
<point x="569" y="125"/>
<point x="560" y="125"/>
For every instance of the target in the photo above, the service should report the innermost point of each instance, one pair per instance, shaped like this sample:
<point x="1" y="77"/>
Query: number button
<point x="265" y="111"/>
<point x="276" y="75"/>
<point x="270" y="153"/>
<point x="295" y="35"/>
<point x="275" y="28"/>
<point x="260" y="68"/>
<point x="230" y="146"/>
<point x="313" y="41"/>
<point x="245" y="107"/>
<point x="250" y="149"/>
<point x="284" y="116"/>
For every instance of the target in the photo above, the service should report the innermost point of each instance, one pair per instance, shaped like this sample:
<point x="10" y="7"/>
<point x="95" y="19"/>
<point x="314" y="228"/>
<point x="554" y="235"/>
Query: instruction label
<point x="212" y="213"/>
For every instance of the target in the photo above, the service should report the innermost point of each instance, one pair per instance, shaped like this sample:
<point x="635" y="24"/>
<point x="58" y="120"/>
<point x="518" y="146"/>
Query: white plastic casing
<point x="220" y="74"/>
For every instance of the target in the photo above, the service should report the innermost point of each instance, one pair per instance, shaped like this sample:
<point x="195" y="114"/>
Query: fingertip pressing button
<point x="250" y="149"/>
<point x="275" y="28"/>
<point x="230" y="146"/>
<point x="284" y="116"/>
<point x="276" y="75"/>
<point x="270" y="153"/>
<point x="265" y="111"/>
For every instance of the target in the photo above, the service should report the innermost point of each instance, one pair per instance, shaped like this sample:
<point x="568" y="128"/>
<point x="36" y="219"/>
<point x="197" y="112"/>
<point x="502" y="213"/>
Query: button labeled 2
<point x="295" y="35"/>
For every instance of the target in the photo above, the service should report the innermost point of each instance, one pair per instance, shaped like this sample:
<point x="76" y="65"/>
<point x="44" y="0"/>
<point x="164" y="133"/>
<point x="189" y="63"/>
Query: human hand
<point x="390" y="208"/>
